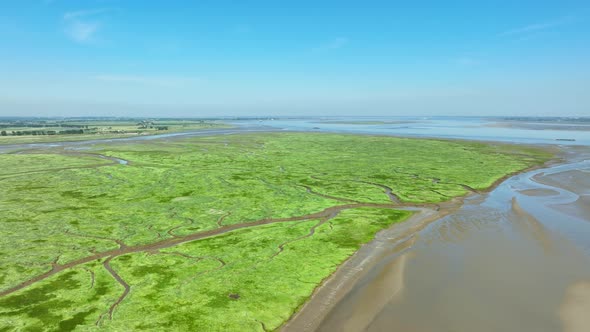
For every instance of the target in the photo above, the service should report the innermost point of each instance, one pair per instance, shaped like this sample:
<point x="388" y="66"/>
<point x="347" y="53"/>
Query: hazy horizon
<point x="277" y="117"/>
<point x="184" y="59"/>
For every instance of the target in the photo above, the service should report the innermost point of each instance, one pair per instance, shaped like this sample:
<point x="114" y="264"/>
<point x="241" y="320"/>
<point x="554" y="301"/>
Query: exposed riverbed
<point x="516" y="259"/>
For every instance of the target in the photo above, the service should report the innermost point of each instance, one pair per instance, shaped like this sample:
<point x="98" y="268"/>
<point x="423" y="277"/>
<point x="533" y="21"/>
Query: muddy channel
<point x="515" y="259"/>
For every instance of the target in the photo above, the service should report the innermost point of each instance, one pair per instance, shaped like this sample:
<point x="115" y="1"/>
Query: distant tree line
<point x="41" y="125"/>
<point x="41" y="132"/>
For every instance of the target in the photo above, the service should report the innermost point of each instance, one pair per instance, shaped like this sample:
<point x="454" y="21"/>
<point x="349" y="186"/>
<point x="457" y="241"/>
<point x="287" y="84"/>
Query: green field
<point x="52" y="130"/>
<point x="221" y="233"/>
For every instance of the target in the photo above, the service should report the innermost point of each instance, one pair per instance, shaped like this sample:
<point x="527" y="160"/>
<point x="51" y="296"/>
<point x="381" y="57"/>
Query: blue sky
<point x="203" y="58"/>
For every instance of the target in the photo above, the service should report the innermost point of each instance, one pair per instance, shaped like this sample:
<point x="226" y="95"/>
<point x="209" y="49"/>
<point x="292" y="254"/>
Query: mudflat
<point x="576" y="181"/>
<point x="498" y="263"/>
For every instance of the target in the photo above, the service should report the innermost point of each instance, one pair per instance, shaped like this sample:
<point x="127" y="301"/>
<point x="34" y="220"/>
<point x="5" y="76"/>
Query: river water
<point x="471" y="128"/>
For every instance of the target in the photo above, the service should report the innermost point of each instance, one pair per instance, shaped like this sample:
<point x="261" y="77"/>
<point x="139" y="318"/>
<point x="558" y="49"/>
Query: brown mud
<point x="388" y="243"/>
<point x="490" y="265"/>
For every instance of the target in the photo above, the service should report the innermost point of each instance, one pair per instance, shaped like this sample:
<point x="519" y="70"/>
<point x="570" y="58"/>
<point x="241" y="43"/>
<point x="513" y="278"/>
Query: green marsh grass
<point x="56" y="208"/>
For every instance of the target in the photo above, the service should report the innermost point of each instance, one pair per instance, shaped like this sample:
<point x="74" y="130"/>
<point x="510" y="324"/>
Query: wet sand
<point x="386" y="243"/>
<point x="539" y="192"/>
<point x="511" y="260"/>
<point x="581" y="207"/>
<point x="574" y="311"/>
<point x="576" y="181"/>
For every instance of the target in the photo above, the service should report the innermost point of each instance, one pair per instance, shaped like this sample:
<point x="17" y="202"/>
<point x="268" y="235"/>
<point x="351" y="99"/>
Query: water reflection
<point x="444" y="127"/>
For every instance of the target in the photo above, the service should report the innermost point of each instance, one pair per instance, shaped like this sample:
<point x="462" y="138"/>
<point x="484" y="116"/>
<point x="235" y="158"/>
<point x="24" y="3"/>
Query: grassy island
<point x="220" y="233"/>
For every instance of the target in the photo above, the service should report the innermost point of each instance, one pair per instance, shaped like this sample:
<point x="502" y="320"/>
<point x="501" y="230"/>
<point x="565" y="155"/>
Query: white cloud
<point x="537" y="27"/>
<point x="82" y="32"/>
<point x="165" y="81"/>
<point x="83" y="25"/>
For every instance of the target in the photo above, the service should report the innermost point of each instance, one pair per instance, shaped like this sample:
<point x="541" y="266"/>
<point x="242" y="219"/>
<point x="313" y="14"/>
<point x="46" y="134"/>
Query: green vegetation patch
<point x="228" y="232"/>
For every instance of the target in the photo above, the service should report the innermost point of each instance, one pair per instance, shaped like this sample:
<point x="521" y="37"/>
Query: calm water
<point x="442" y="127"/>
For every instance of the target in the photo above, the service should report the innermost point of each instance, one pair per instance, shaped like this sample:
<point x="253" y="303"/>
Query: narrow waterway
<point x="516" y="259"/>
